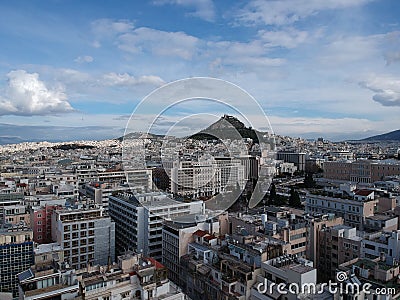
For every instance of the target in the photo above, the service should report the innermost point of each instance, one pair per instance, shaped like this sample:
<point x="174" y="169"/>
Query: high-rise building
<point x="41" y="222"/>
<point x="87" y="236"/>
<point x="337" y="245"/>
<point x="16" y="255"/>
<point x="298" y="158"/>
<point x="175" y="241"/>
<point x="139" y="220"/>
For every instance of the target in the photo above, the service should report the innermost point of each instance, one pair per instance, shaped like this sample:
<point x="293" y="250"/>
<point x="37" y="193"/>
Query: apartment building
<point x="382" y="245"/>
<point x="132" y="277"/>
<point x="354" y="211"/>
<point x="139" y="220"/>
<point x="47" y="282"/>
<point x="316" y="224"/>
<point x="338" y="244"/>
<point x="212" y="274"/>
<point x="87" y="236"/>
<point x="15" y="214"/>
<point x="297" y="158"/>
<point x="175" y="240"/>
<point x="16" y="255"/>
<point x="284" y="270"/>
<point x="41" y="222"/>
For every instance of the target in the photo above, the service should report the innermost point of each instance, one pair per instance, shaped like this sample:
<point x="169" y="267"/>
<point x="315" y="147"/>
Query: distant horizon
<point x="88" y="134"/>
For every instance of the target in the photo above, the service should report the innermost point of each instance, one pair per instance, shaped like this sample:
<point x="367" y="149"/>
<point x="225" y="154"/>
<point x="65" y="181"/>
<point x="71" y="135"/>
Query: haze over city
<point x="317" y="68"/>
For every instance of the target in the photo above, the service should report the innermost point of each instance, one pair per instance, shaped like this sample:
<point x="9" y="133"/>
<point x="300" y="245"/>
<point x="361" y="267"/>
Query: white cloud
<point x="203" y="9"/>
<point x="288" y="38"/>
<point x="84" y="59"/>
<point x="347" y="48"/>
<point x="392" y="57"/>
<point x="283" y="12"/>
<point x="159" y="42"/>
<point x="108" y="27"/>
<point x="114" y="79"/>
<point x="27" y="95"/>
<point x="386" y="89"/>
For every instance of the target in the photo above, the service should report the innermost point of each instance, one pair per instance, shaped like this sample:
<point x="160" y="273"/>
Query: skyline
<point x="317" y="68"/>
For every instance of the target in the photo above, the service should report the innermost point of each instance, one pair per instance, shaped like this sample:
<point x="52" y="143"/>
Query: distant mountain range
<point x="390" y="136"/>
<point x="14" y="134"/>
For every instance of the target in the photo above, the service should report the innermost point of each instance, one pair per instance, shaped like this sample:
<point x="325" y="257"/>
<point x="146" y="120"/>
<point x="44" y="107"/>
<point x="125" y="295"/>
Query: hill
<point x="226" y="127"/>
<point x="390" y="136"/>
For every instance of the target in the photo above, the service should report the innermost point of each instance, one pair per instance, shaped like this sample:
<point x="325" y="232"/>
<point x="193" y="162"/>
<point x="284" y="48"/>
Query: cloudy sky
<point x="326" y="68"/>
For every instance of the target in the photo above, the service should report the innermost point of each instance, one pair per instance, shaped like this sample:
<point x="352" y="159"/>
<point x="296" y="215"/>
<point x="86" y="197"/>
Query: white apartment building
<point x="278" y="273"/>
<point x="205" y="177"/>
<point x="139" y="220"/>
<point x="175" y="240"/>
<point x="87" y="236"/>
<point x="385" y="245"/>
<point x="353" y="211"/>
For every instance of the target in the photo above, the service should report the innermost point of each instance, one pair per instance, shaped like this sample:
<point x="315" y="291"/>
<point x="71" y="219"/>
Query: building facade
<point x="87" y="236"/>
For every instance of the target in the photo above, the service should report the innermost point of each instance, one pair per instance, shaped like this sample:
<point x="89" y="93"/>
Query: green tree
<point x="294" y="198"/>
<point x="309" y="181"/>
<point x="272" y="194"/>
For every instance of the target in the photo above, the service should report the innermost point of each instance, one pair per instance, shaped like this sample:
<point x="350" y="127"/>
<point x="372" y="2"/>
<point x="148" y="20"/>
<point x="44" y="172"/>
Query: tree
<point x="294" y="199"/>
<point x="309" y="181"/>
<point x="272" y="194"/>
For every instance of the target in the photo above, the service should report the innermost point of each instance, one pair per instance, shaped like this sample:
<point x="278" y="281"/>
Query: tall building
<point x="205" y="177"/>
<point x="316" y="224"/>
<point x="139" y="220"/>
<point x="87" y="236"/>
<point x="298" y="158"/>
<point x="338" y="244"/>
<point x="41" y="222"/>
<point x="176" y="238"/>
<point x="16" y="255"/>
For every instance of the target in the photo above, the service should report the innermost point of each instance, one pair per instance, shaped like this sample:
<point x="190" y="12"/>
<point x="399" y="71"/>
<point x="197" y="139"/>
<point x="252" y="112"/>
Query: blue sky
<point x="318" y="67"/>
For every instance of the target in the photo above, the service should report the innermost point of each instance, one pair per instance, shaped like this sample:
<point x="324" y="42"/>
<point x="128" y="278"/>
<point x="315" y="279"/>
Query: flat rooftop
<point x="298" y="268"/>
<point x="46" y="248"/>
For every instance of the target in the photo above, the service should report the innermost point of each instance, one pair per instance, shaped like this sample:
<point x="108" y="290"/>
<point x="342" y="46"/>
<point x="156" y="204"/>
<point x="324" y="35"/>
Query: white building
<point x="139" y="220"/>
<point x="86" y="235"/>
<point x="385" y="245"/>
<point x="283" y="275"/>
<point x="175" y="241"/>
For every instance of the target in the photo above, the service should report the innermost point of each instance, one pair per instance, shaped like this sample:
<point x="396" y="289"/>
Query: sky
<point x="318" y="68"/>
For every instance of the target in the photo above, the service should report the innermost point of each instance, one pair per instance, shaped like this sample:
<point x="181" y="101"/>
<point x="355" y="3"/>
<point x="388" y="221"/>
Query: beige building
<point x="316" y="225"/>
<point x="361" y="171"/>
<point x="337" y="245"/>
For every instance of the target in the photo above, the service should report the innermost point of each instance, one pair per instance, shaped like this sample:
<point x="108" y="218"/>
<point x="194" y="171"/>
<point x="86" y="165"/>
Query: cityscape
<point x="193" y="150"/>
